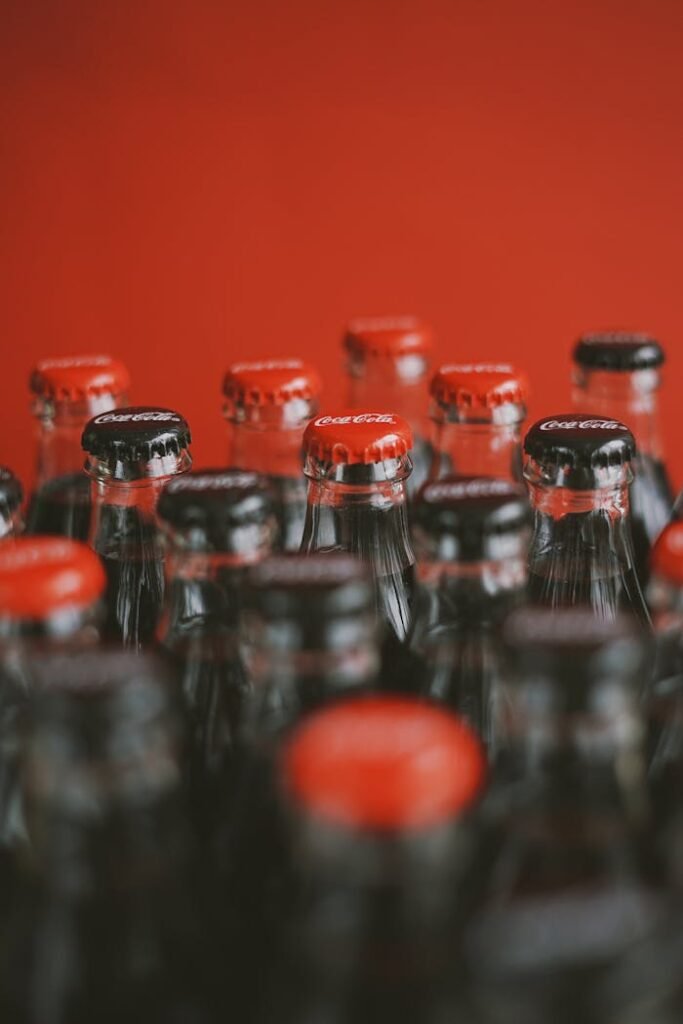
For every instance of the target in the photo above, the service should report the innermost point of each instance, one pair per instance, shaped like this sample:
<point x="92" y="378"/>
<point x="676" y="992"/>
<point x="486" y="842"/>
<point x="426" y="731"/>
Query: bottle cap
<point x="353" y="437"/>
<point x="211" y="508"/>
<point x="384" y="763"/>
<point x="271" y="382"/>
<point x="388" y="336"/>
<point x="574" y="449"/>
<point x="40" y="576"/>
<point x="618" y="350"/>
<point x="137" y="433"/>
<point x="73" y="378"/>
<point x="470" y="511"/>
<point x="11" y="491"/>
<point x="304" y="587"/>
<point x="667" y="555"/>
<point x="476" y="390"/>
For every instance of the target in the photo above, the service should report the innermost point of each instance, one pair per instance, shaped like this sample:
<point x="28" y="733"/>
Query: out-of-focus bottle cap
<point x="40" y="576"/>
<point x="384" y="763"/>
<point x="74" y="378"/>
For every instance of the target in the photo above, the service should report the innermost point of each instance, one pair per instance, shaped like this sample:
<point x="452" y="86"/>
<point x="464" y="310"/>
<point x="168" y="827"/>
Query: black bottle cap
<point x="211" y="508"/>
<point x="618" y="350"/>
<point x="572" y="647"/>
<point x="578" y="450"/>
<point x="310" y="587"/>
<point x="11" y="491"/>
<point x="136" y="433"/>
<point x="467" y="514"/>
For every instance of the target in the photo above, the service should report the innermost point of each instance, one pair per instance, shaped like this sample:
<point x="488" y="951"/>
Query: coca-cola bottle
<point x="572" y="894"/>
<point x="68" y="392"/>
<point x="309" y="638"/>
<point x="267" y="405"/>
<point x="617" y="375"/>
<point x="377" y="797"/>
<point x="357" y="464"/>
<point x="578" y="469"/>
<point x="131" y="454"/>
<point x="216" y="523"/>
<point x="388" y="364"/>
<point x="478" y="411"/>
<point x="11" y="497"/>
<point x="104" y="923"/>
<point x="50" y="595"/>
<point x="471" y="540"/>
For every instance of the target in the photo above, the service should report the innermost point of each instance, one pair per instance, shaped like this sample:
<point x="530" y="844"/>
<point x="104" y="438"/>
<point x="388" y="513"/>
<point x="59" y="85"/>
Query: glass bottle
<point x="617" y="374"/>
<point x="68" y="391"/>
<point x="131" y="454"/>
<point x="471" y="540"/>
<point x="50" y="600"/>
<point x="357" y="464"/>
<point x="267" y="405"/>
<point x="478" y="411"/>
<point x="216" y="523"/>
<point x="578" y="469"/>
<point x="104" y="924"/>
<point x="572" y="894"/>
<point x="377" y="794"/>
<point x="11" y="497"/>
<point x="388" y="364"/>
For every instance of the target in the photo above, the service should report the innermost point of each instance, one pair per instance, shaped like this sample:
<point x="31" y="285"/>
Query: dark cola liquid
<point x="61" y="507"/>
<point x="651" y="505"/>
<point x="290" y="510"/>
<point x="134" y="596"/>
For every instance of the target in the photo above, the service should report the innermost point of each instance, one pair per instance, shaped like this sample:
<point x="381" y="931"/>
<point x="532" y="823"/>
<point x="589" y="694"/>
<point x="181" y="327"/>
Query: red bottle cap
<point x="667" y="555"/>
<point x="72" y="378"/>
<point x="483" y="385"/>
<point x="353" y="436"/>
<point x="388" y="336"/>
<point x="384" y="763"/>
<point x="271" y="382"/>
<point x="43" y="575"/>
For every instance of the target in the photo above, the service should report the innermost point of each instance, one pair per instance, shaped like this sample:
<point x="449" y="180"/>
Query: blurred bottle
<point x="216" y="523"/>
<point x="11" y="497"/>
<point x="50" y="594"/>
<point x="572" y="887"/>
<point x="267" y="405"/>
<point x="357" y="464"/>
<point x="388" y="363"/>
<point x="68" y="392"/>
<point x="377" y="795"/>
<point x="471" y="541"/>
<point x="578" y="469"/>
<point x="104" y="924"/>
<point x="478" y="411"/>
<point x="617" y="375"/>
<point x="130" y="456"/>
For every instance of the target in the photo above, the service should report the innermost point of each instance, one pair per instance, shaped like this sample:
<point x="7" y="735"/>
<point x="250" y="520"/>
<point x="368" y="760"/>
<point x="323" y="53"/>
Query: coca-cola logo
<point x="477" y="368"/>
<point x="149" y="416"/>
<point x="460" y="489"/>
<point x="579" y="424"/>
<point x="24" y="555"/>
<point x="568" y="626"/>
<point x="208" y="482"/>
<point x="370" y="324"/>
<point x="67" y="362"/>
<point x="266" y="365"/>
<point x="357" y="419"/>
<point x="307" y="569"/>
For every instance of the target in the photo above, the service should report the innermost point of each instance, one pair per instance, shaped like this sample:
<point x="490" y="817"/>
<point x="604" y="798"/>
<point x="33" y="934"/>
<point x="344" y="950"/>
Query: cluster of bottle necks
<point x="381" y="722"/>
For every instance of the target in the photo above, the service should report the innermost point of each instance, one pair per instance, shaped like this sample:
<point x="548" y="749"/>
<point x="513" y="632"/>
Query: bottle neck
<point x="11" y="522"/>
<point x="60" y="428"/>
<point x="627" y="396"/>
<point x="477" y="449"/>
<point x="271" y="446"/>
<point x="399" y="385"/>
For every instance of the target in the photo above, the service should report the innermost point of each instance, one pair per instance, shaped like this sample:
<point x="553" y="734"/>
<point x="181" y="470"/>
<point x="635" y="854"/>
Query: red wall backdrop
<point x="184" y="182"/>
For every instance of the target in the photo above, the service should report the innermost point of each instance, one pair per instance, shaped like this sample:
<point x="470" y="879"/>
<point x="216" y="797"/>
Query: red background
<point x="185" y="182"/>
